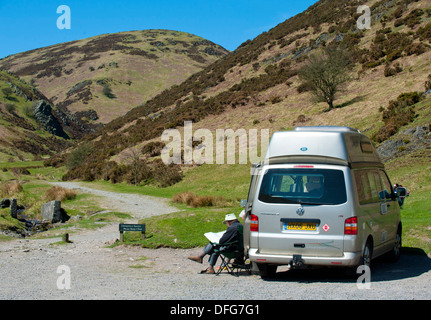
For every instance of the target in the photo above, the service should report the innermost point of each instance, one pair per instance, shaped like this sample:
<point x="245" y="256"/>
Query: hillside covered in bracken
<point x="257" y="86"/>
<point x="112" y="73"/>
<point x="53" y="96"/>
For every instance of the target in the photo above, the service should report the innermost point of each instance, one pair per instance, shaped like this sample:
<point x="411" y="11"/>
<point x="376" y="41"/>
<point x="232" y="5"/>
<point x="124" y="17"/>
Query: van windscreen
<point x="305" y="186"/>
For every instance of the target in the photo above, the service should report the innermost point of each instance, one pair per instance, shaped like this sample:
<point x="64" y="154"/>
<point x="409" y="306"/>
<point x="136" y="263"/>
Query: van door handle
<point x="299" y="245"/>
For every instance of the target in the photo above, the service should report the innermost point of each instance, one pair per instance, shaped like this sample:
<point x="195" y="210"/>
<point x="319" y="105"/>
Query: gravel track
<point x="28" y="269"/>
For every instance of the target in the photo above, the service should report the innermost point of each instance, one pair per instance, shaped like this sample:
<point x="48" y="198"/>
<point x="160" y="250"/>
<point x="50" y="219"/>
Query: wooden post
<point x="66" y="238"/>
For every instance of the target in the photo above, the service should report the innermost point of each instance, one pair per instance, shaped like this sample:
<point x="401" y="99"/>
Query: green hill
<point x="257" y="85"/>
<point x="24" y="134"/>
<point x="112" y="73"/>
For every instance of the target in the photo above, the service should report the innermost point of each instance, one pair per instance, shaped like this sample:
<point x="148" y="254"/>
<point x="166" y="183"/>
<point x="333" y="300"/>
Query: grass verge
<point x="184" y="229"/>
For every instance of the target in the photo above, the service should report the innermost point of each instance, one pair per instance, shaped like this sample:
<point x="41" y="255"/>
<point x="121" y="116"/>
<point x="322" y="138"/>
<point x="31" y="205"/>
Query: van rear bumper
<point x="348" y="259"/>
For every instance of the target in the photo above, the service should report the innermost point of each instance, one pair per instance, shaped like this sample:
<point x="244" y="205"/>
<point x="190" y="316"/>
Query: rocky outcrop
<point x="43" y="114"/>
<point x="408" y="141"/>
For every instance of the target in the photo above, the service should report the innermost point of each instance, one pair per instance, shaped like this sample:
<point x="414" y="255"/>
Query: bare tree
<point x="134" y="156"/>
<point x="326" y="73"/>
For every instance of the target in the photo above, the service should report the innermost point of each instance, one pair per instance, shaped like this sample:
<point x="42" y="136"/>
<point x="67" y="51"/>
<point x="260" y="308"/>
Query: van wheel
<point x="395" y="253"/>
<point x="365" y="260"/>
<point x="266" y="270"/>
<point x="367" y="253"/>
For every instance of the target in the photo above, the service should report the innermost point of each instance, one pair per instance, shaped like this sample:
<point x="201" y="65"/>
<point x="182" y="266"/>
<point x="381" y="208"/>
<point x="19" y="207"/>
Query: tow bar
<point x="297" y="261"/>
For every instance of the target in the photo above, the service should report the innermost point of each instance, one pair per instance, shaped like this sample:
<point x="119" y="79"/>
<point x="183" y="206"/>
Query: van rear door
<point x="301" y="210"/>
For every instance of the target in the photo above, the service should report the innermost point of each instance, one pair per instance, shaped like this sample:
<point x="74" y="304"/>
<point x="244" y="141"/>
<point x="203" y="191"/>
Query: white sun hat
<point x="229" y="217"/>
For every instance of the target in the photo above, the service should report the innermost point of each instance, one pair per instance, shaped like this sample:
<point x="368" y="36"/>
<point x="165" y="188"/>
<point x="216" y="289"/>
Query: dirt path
<point x="139" y="206"/>
<point x="28" y="267"/>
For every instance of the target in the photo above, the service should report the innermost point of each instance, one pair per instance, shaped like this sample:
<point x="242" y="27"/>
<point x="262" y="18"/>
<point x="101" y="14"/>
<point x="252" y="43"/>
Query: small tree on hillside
<point x="7" y="92"/>
<point x="326" y="73"/>
<point x="77" y="156"/>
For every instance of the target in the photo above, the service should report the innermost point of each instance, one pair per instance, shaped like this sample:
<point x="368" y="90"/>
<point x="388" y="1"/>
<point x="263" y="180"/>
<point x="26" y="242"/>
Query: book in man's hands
<point x="214" y="237"/>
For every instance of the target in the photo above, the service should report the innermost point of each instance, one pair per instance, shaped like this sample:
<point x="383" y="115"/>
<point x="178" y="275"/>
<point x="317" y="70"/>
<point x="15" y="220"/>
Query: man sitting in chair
<point x="224" y="245"/>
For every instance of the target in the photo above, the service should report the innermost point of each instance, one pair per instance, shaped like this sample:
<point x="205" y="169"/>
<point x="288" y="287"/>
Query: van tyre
<point x="395" y="253"/>
<point x="367" y="253"/>
<point x="366" y="257"/>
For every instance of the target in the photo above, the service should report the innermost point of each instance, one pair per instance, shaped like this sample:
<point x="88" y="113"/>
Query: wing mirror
<point x="401" y="192"/>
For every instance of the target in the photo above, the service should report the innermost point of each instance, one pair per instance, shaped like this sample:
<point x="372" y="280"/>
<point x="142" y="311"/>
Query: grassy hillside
<point x="112" y="73"/>
<point x="22" y="136"/>
<point x="257" y="87"/>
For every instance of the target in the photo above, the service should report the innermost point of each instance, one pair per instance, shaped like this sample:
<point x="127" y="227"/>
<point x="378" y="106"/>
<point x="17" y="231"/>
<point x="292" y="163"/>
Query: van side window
<point x="387" y="186"/>
<point x="375" y="184"/>
<point x="368" y="185"/>
<point x="252" y="189"/>
<point x="363" y="186"/>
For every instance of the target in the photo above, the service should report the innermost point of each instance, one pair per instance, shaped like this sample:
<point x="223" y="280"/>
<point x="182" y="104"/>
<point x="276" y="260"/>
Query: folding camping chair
<point x="237" y="255"/>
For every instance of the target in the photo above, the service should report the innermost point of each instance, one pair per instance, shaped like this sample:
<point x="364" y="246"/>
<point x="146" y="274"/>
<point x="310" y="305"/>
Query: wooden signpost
<point x="131" y="227"/>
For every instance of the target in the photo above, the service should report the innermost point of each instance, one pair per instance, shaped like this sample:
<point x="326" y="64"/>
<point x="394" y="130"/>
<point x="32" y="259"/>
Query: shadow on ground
<point x="413" y="263"/>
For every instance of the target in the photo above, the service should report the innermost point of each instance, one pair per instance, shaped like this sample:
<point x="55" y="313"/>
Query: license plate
<point x="306" y="226"/>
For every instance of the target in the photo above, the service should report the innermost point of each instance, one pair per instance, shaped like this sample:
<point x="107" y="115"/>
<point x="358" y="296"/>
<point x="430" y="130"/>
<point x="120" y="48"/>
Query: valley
<point x="89" y="115"/>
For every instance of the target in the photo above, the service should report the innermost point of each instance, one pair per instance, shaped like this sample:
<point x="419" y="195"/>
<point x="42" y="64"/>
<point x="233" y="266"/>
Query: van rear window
<point x="305" y="186"/>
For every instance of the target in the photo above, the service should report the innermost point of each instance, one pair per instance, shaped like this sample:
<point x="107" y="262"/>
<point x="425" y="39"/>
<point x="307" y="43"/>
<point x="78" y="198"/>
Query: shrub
<point x="399" y="113"/>
<point x="107" y="91"/>
<point x="60" y="194"/>
<point x="10" y="107"/>
<point x="11" y="188"/>
<point x="275" y="99"/>
<point x="20" y="171"/>
<point x="196" y="201"/>
<point x="428" y="83"/>
<point x="138" y="172"/>
<point x="303" y="87"/>
<point x="424" y="33"/>
<point x="416" y="48"/>
<point x="7" y="92"/>
<point x="77" y="156"/>
<point x="185" y="197"/>
<point x="29" y="111"/>
<point x="391" y="71"/>
<point x="166" y="175"/>
<point x="153" y="148"/>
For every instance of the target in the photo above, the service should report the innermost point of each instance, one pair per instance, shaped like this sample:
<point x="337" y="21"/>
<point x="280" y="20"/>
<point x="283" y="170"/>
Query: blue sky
<point x="27" y="25"/>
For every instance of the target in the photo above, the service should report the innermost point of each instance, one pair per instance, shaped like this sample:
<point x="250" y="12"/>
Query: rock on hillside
<point x="29" y="126"/>
<point x="112" y="73"/>
<point x="44" y="116"/>
<point x="408" y="141"/>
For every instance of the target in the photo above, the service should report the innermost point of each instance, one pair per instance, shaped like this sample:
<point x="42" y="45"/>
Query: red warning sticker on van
<point x="326" y="228"/>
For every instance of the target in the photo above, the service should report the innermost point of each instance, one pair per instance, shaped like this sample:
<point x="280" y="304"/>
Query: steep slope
<point x="110" y="74"/>
<point x="29" y="126"/>
<point x="257" y="85"/>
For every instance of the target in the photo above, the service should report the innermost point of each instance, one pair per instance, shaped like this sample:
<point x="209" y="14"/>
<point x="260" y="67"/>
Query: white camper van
<point x="320" y="197"/>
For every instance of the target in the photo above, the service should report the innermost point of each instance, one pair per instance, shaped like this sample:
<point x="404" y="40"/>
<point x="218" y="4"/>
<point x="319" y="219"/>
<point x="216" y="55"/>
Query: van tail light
<point x="254" y="223"/>
<point x="351" y="225"/>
